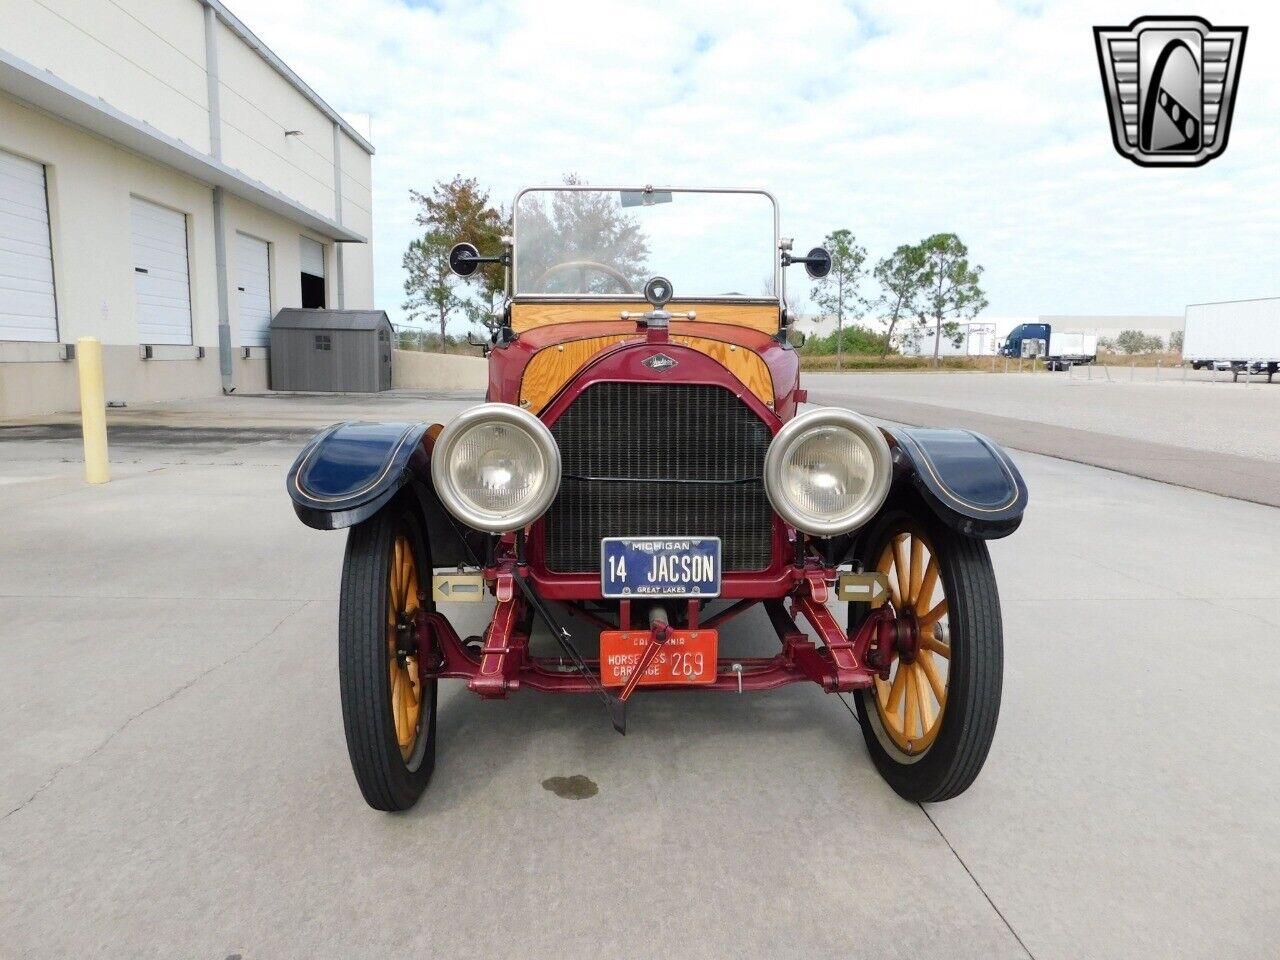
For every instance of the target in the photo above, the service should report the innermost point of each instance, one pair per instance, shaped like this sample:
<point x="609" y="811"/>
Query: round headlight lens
<point x="827" y="471"/>
<point x="496" y="468"/>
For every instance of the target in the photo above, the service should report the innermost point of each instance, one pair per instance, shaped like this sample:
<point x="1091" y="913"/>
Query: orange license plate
<point x="688" y="657"/>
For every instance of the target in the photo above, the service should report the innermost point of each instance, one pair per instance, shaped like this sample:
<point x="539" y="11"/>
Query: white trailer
<point x="1066" y="349"/>
<point x="1240" y="335"/>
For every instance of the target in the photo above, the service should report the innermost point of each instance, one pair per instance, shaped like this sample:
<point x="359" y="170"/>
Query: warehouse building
<point x="167" y="184"/>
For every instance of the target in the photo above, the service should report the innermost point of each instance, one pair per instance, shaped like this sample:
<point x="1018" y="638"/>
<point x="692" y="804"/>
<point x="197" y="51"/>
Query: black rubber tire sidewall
<point x="975" y="671"/>
<point x="385" y="779"/>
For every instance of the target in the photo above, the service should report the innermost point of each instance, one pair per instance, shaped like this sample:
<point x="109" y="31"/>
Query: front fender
<point x="968" y="481"/>
<point x="350" y="470"/>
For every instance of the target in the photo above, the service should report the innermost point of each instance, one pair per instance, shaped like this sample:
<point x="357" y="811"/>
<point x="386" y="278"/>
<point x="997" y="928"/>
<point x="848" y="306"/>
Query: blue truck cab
<point x="1024" y="331"/>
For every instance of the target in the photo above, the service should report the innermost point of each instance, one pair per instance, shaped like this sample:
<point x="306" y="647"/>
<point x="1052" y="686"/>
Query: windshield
<point x="607" y="243"/>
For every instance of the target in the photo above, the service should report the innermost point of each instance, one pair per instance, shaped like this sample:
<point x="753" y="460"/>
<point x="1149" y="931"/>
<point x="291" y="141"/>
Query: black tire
<point x="388" y="780"/>
<point x="975" y="667"/>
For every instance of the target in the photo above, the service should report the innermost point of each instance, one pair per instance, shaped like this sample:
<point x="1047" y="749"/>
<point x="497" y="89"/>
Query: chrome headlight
<point x="827" y="471"/>
<point x="496" y="467"/>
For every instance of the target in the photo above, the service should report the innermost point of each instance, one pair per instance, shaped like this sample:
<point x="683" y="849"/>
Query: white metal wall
<point x="161" y="277"/>
<point x="28" y="310"/>
<point x="253" y="290"/>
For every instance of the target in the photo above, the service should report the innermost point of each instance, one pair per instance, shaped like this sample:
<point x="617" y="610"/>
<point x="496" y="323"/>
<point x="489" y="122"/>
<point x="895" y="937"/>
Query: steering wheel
<point x="540" y="286"/>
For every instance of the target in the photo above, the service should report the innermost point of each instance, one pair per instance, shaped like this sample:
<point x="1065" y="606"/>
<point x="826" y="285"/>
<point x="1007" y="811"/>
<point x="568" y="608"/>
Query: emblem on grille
<point x="1170" y="84"/>
<point x="659" y="362"/>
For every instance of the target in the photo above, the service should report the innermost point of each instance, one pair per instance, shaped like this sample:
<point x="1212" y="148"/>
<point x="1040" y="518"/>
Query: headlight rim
<point x="785" y="439"/>
<point x="460" y="507"/>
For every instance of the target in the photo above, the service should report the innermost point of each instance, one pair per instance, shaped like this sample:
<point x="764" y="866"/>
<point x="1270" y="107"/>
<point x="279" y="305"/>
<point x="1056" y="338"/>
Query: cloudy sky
<point x="896" y="120"/>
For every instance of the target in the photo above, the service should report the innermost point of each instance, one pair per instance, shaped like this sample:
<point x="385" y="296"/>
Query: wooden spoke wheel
<point x="402" y="652"/>
<point x="929" y="726"/>
<point x="388" y="709"/>
<point x="911" y="702"/>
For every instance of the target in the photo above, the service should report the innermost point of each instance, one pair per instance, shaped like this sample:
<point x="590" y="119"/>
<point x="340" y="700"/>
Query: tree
<point x="1130" y="341"/>
<point x="1175" y="341"/>
<point x="900" y="276"/>
<point x="837" y="293"/>
<point x="430" y="284"/>
<point x="950" y="288"/>
<point x="458" y="211"/>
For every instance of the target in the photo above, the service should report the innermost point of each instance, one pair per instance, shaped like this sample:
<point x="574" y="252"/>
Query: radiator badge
<point x="659" y="362"/>
<point x="1171" y="86"/>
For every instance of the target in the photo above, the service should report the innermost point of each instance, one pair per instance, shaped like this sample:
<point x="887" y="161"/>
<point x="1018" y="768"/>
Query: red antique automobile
<point x="641" y="474"/>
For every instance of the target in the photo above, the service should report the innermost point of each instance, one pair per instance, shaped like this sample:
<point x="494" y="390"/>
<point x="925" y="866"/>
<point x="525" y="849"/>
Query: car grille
<point x="674" y="460"/>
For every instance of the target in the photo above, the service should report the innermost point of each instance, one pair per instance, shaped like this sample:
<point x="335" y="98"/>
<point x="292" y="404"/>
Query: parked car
<point x="640" y="474"/>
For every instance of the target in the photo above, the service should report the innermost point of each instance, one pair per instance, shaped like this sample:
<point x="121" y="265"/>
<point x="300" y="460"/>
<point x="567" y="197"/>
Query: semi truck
<point x="1238" y="335"/>
<point x="1058" y="349"/>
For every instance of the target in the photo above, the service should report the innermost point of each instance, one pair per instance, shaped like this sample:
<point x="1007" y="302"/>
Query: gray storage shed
<point x="345" y="351"/>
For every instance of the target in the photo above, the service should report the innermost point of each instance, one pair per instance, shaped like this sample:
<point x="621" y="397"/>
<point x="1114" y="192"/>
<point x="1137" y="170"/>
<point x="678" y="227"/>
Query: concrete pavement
<point x="175" y="781"/>
<point x="1216" y="437"/>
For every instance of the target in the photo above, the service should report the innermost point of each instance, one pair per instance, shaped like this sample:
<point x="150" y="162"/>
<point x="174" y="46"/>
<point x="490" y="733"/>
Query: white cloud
<point x="896" y="120"/>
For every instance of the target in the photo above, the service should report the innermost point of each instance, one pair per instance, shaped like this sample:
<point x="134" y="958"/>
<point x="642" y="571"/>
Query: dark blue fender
<point x="965" y="478"/>
<point x="350" y="470"/>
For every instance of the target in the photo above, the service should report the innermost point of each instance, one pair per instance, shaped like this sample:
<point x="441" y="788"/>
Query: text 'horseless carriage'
<point x="642" y="467"/>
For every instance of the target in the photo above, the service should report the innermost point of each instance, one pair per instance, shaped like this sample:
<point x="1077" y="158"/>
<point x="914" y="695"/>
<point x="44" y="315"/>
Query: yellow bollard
<point x="93" y="409"/>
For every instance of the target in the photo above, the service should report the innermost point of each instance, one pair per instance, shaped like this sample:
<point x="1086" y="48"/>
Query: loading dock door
<point x="253" y="290"/>
<point x="27" y="307"/>
<point x="161" y="282"/>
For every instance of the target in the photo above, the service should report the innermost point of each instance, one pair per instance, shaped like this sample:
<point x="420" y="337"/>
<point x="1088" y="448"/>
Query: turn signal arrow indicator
<point x="457" y="586"/>
<point x="872" y="588"/>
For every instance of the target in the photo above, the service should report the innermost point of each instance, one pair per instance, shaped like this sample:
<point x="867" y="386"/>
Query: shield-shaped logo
<point x="1170" y="84"/>
<point x="659" y="362"/>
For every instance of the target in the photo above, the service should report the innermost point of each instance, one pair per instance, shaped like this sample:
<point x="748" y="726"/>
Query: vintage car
<point x="642" y="473"/>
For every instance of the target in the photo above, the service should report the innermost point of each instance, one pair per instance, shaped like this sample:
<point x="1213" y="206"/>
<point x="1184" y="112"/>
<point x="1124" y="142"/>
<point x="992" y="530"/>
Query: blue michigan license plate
<point x="660" y="567"/>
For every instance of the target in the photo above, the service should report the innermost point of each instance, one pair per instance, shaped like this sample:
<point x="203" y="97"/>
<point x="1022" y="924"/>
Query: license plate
<point x="660" y="567"/>
<point x="688" y="657"/>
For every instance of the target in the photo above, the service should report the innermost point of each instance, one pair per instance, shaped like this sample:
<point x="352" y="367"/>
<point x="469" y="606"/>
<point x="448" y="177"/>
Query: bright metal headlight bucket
<point x="496" y="467"/>
<point x="827" y="471"/>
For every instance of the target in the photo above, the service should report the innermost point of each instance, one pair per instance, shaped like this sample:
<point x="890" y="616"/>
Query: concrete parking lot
<point x="175" y="781"/>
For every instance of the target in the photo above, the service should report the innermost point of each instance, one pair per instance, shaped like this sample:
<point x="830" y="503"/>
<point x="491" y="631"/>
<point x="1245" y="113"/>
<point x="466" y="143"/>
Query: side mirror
<point x="797" y="338"/>
<point x="818" y="263"/>
<point x="464" y="259"/>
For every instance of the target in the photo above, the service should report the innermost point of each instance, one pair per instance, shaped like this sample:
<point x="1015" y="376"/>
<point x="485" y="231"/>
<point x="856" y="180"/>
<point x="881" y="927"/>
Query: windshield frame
<point x="638" y="297"/>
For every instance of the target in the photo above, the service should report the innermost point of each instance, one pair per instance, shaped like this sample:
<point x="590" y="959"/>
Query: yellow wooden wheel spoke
<point x="911" y="706"/>
<point x="924" y="596"/>
<point x="930" y="642"/>
<point x="925" y="699"/>
<point x="925" y="659"/>
<point x="934" y="615"/>
<point x="896" y="690"/>
<point x="917" y="569"/>
<point x="885" y="566"/>
<point x="900" y="562"/>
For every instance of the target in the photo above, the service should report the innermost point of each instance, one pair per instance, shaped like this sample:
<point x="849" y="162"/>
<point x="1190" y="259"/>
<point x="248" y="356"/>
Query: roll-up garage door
<point x="161" y="283"/>
<point x="253" y="288"/>
<point x="312" y="257"/>
<point x="27" y="307"/>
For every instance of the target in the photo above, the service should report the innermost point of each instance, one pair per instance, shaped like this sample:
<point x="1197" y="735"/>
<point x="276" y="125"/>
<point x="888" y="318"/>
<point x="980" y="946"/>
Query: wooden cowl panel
<point x="552" y="367"/>
<point x="532" y="316"/>
<point x="533" y="369"/>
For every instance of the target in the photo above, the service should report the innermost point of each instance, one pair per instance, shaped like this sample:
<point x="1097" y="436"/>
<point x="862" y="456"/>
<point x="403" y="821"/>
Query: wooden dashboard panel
<point x="551" y="367"/>
<point x="757" y="316"/>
